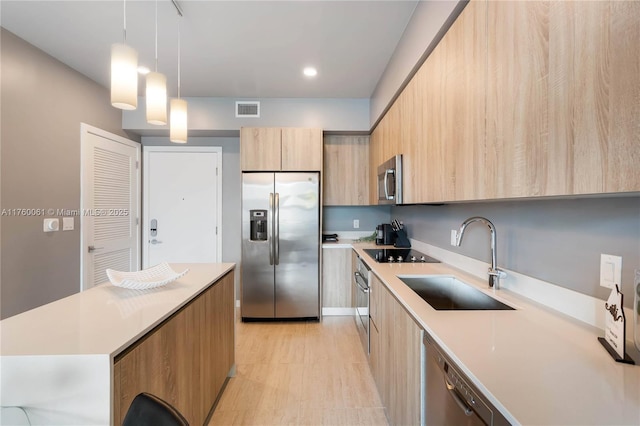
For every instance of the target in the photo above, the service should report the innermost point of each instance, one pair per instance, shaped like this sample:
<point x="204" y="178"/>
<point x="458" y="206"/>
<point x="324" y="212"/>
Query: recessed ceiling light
<point x="310" y="72"/>
<point x="143" y="70"/>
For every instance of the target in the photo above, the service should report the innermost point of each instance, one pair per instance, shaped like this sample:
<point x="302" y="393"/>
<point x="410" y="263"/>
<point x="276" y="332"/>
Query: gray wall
<point x="231" y="187"/>
<point x="425" y="24"/>
<point x="558" y="241"/>
<point x="336" y="219"/>
<point x="43" y="103"/>
<point x="213" y="116"/>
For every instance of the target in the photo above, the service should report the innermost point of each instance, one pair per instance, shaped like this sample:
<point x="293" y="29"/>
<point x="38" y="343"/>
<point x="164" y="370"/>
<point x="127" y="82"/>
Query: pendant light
<point x="178" y="114"/>
<point x="124" y="72"/>
<point x="156" y="91"/>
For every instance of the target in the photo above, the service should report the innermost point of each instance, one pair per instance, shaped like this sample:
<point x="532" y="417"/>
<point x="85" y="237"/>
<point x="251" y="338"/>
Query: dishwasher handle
<point x="358" y="277"/>
<point x="468" y="411"/>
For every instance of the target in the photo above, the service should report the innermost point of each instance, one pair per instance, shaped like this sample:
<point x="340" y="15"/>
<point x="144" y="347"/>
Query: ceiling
<point x="250" y="49"/>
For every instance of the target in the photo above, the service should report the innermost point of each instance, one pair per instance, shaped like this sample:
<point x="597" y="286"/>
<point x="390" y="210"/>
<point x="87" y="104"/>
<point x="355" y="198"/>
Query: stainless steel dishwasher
<point x="450" y="398"/>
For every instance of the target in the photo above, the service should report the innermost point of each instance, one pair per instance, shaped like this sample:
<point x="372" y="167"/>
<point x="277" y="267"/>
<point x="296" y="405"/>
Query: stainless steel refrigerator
<point x="280" y="246"/>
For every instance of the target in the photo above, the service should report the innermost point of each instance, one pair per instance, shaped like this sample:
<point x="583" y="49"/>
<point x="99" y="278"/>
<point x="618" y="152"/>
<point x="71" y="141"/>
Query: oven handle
<point x="468" y="411"/>
<point x="359" y="275"/>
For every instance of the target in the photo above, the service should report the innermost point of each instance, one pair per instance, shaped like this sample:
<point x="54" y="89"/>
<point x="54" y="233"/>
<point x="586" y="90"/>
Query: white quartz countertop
<point x="104" y="319"/>
<point x="537" y="366"/>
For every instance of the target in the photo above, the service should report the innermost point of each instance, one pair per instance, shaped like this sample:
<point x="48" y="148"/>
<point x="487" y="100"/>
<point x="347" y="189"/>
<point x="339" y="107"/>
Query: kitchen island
<point x="82" y="359"/>
<point x="535" y="365"/>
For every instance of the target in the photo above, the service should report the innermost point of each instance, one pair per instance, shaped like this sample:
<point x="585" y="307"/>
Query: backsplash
<point x="558" y="241"/>
<point x="336" y="219"/>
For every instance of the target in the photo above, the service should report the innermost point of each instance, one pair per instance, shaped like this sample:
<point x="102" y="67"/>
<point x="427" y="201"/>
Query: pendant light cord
<point x="178" y="59"/>
<point x="156" y="35"/>
<point x="124" y="26"/>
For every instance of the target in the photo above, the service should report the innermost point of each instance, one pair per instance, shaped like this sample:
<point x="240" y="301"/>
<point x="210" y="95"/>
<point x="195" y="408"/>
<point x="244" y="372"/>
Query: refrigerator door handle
<point x="270" y="228"/>
<point x="276" y="220"/>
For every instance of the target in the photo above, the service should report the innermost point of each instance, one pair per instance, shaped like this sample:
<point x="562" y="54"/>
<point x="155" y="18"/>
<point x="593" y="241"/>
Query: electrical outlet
<point x="356" y="223"/>
<point x="610" y="270"/>
<point x="454" y="236"/>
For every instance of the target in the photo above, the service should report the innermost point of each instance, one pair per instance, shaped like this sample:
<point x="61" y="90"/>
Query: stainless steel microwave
<point x="390" y="181"/>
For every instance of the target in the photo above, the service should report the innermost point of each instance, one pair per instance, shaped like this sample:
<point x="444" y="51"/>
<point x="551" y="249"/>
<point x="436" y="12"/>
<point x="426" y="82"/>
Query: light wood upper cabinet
<point x="375" y="159"/>
<point x="346" y="170"/>
<point x="465" y="95"/>
<point x="517" y="104"/>
<point x="410" y="142"/>
<point x="438" y="121"/>
<point x="260" y="148"/>
<point x="521" y="99"/>
<point x="560" y="118"/>
<point x="621" y="169"/>
<point x="594" y="97"/>
<point x="280" y="149"/>
<point x="301" y="149"/>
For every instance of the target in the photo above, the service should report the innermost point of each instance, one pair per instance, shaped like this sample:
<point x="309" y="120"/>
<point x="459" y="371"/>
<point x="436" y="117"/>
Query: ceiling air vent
<point x="247" y="109"/>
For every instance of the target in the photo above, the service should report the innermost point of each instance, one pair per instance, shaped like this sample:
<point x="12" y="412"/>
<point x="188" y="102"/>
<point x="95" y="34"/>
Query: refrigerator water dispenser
<point x="258" y="220"/>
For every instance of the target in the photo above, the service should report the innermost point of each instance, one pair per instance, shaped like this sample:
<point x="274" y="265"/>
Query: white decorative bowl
<point x="153" y="277"/>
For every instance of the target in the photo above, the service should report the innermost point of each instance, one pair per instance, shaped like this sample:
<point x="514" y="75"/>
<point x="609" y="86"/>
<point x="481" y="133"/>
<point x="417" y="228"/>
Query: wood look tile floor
<point x="300" y="373"/>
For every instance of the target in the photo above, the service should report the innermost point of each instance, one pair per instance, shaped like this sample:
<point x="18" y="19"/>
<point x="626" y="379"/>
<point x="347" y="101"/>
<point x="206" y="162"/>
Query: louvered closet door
<point x="110" y="210"/>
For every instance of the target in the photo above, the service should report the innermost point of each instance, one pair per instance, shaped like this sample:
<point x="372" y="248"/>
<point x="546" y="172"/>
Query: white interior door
<point x="110" y="205"/>
<point x="183" y="204"/>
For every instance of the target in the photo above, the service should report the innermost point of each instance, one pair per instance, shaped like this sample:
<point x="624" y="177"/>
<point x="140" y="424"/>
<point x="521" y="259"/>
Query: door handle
<point x="154" y="242"/>
<point x="277" y="230"/>
<point x="270" y="228"/>
<point x="91" y="249"/>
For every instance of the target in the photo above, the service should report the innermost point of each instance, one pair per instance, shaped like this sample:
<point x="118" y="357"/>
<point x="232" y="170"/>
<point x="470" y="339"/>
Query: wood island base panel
<point x="82" y="359"/>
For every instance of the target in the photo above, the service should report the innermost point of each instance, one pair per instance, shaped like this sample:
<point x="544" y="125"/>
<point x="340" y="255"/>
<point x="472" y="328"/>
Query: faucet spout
<point x="494" y="273"/>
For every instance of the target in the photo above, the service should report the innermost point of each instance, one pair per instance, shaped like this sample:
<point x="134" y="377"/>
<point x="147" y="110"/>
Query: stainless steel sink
<point x="447" y="293"/>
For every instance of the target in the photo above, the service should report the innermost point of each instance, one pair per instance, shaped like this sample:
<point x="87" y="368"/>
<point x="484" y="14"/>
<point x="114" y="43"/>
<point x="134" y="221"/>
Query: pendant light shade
<point x="156" y="96"/>
<point x="124" y="76"/>
<point x="178" y="121"/>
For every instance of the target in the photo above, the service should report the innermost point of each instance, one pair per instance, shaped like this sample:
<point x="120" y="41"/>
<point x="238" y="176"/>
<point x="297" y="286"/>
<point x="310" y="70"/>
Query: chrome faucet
<point x="494" y="272"/>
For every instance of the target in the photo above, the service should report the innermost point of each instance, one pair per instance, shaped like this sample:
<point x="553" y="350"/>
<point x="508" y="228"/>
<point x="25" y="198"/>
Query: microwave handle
<point x="386" y="183"/>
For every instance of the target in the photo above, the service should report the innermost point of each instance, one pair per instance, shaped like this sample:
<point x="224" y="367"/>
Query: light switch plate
<point x="67" y="223"/>
<point x="610" y="270"/>
<point x="356" y="223"/>
<point x="454" y="236"/>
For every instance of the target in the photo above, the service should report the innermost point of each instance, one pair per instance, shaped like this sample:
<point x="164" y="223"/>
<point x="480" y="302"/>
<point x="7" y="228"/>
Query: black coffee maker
<point x="386" y="236"/>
